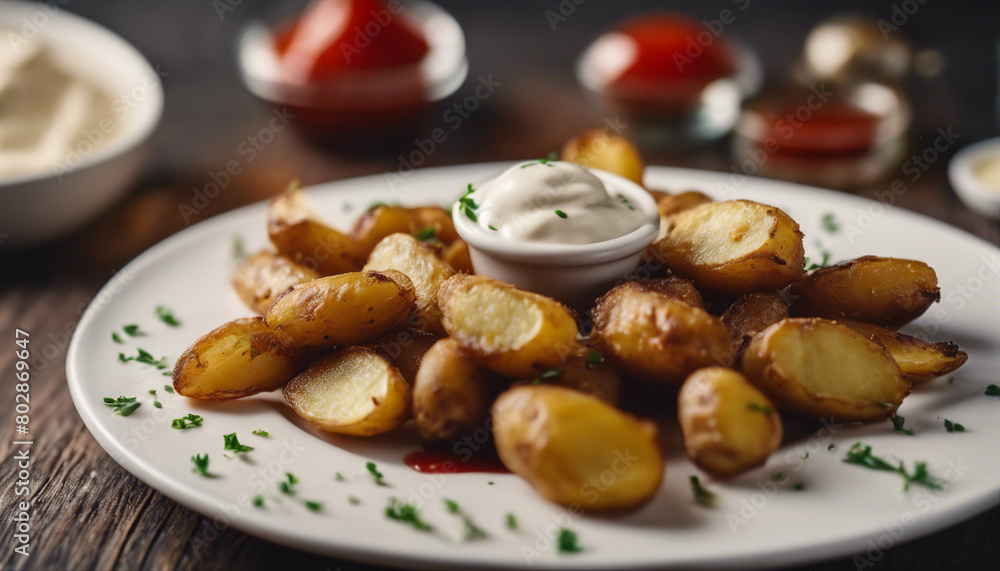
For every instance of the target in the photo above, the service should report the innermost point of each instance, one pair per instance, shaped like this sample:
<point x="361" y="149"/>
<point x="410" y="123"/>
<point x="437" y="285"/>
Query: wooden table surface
<point x="90" y="513"/>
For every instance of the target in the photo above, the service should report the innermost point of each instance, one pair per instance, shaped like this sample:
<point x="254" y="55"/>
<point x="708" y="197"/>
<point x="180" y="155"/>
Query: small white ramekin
<point x="962" y="175"/>
<point x="573" y="273"/>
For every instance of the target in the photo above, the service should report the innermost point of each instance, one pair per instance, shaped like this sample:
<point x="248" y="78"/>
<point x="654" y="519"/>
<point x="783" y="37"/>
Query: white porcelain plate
<point x="841" y="509"/>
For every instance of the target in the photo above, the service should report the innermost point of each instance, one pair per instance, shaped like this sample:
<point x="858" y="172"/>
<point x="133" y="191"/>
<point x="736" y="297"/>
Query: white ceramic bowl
<point x="40" y="206"/>
<point x="572" y="273"/>
<point x="972" y="191"/>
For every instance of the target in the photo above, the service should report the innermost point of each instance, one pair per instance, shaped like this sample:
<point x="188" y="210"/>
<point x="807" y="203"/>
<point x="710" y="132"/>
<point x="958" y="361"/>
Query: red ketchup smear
<point x="834" y="128"/>
<point x="446" y="462"/>
<point x="673" y="47"/>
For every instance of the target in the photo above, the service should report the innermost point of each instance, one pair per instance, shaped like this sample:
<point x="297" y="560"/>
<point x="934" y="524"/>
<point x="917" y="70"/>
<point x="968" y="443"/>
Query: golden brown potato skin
<point x="563" y="442"/>
<point x="598" y="379"/>
<point x="734" y="247"/>
<point x="917" y="359"/>
<point x="601" y="149"/>
<point x="241" y="358"/>
<point x="298" y="235"/>
<point x="451" y="395"/>
<point x="514" y="333"/>
<point x="404" y="348"/>
<point x="653" y="336"/>
<point x="343" y="309"/>
<point x="820" y="368"/>
<point x="381" y="221"/>
<point x="885" y="291"/>
<point x="752" y="313"/>
<point x="675" y="203"/>
<point x="457" y="255"/>
<point x="729" y="426"/>
<point x="261" y="278"/>
<point x="350" y="391"/>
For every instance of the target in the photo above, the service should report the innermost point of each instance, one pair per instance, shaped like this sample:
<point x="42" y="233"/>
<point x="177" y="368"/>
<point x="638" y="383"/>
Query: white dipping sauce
<point x="45" y="111"/>
<point x="553" y="201"/>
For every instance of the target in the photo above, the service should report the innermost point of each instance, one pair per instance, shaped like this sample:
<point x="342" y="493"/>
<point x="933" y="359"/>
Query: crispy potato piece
<point x="601" y="149"/>
<point x="820" y="368"/>
<point x="261" y="278"/>
<point x="420" y="262"/>
<point x="733" y="247"/>
<point x="457" y="255"/>
<point x="750" y="314"/>
<point x="564" y="442"/>
<point x="239" y="359"/>
<point x="918" y="360"/>
<point x="344" y="309"/>
<point x="885" y="291"/>
<point x="423" y="217"/>
<point x="585" y="370"/>
<point x="381" y="221"/>
<point x="655" y="337"/>
<point x="350" y="391"/>
<point x="298" y="234"/>
<point x="674" y="203"/>
<point x="729" y="426"/>
<point x="405" y="348"/>
<point x="451" y="396"/>
<point x="515" y="333"/>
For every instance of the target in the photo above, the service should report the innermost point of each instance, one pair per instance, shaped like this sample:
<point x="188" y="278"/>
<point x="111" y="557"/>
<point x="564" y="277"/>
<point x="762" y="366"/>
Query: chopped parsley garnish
<point x="375" y="474"/>
<point x="897" y="425"/>
<point x="116" y="338"/>
<point x="133" y="330"/>
<point x="546" y="375"/>
<point x="798" y="487"/>
<point x="763" y="409"/>
<point x="472" y="531"/>
<point x="145" y="357"/>
<point x="157" y="404"/>
<point x="166" y="316"/>
<point x="861" y="455"/>
<point x="567" y="541"/>
<point x="823" y="264"/>
<point x="122" y="405"/>
<point x="353" y="500"/>
<point x="201" y="465"/>
<point x="492" y="227"/>
<point x="625" y="202"/>
<point x="953" y="426"/>
<point x="287" y="486"/>
<point x="561" y="214"/>
<point x="152" y="392"/>
<point x="339" y="477"/>
<point x="511" y="521"/>
<point x="467" y="205"/>
<point x="702" y="497"/>
<point x="186" y="422"/>
<point x="546" y="161"/>
<point x="831" y="447"/>
<point x="168" y="388"/>
<point x="779" y="476"/>
<point x="168" y="374"/>
<point x="806" y="457"/>
<point x="313" y="506"/>
<point x="233" y="443"/>
<point x="881" y="404"/>
<point x="992" y="391"/>
<point x="258" y="501"/>
<point x="830" y="223"/>
<point x="239" y="252"/>
<point x="451" y="506"/>
<point x="426" y="235"/>
<point x="406" y="513"/>
<point x="261" y="432"/>
<point x="594" y="358"/>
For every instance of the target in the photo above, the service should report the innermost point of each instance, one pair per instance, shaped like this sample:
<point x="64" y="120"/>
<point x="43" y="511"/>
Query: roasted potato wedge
<point x="601" y="149"/>
<point x="732" y="247"/>
<point x="457" y="255"/>
<point x="241" y="358"/>
<point x="585" y="370"/>
<point x="675" y="203"/>
<point x="383" y="220"/>
<point x="405" y="348"/>
<point x="574" y="448"/>
<point x="885" y="291"/>
<point x="821" y="369"/>
<point x="344" y="309"/>
<point x="297" y="234"/>
<point x="350" y="391"/>
<point x="515" y="333"/>
<point x="261" y="278"/>
<point x="729" y="426"/>
<point x="420" y="262"/>
<point x="653" y="336"/>
<point x="451" y="396"/>
<point x="917" y="359"/>
<point x="750" y="314"/>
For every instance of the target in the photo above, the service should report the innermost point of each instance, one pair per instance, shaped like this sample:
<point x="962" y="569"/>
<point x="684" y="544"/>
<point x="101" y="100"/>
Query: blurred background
<point x="529" y="53"/>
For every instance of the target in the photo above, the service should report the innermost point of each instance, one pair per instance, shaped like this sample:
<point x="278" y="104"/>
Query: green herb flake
<point x="122" y="405"/>
<point x="567" y="541"/>
<point x="594" y="358"/>
<point x="702" y="497"/>
<point x="953" y="426"/>
<point x="313" y="506"/>
<point x="798" y="487"/>
<point x="451" y="506"/>
<point x="157" y="404"/>
<point x="546" y="161"/>
<point x="561" y="214"/>
<point x="239" y="252"/>
<point x="353" y="500"/>
<point x="511" y="521"/>
<point x="992" y="391"/>
<point x="339" y="477"/>
<point x="152" y="392"/>
<point x="426" y="235"/>
<point x="492" y="227"/>
<point x="881" y="404"/>
<point x="546" y="375"/>
<point x="144" y="357"/>
<point x="831" y="447"/>
<point x="168" y="388"/>
<point x="897" y="425"/>
<point x="779" y="476"/>
<point x="625" y="202"/>
<point x="287" y="486"/>
<point x="861" y="455"/>
<point x="763" y="409"/>
<point x="201" y="465"/>
<point x="133" y="330"/>
<point x="116" y="338"/>
<point x="830" y="223"/>
<point x="407" y="514"/>
<point x="261" y="432"/>
<point x="467" y="205"/>
<point x="186" y="422"/>
<point x="258" y="501"/>
<point x="806" y="457"/>
<point x="233" y="443"/>
<point x="167" y="316"/>
<point x="375" y="474"/>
